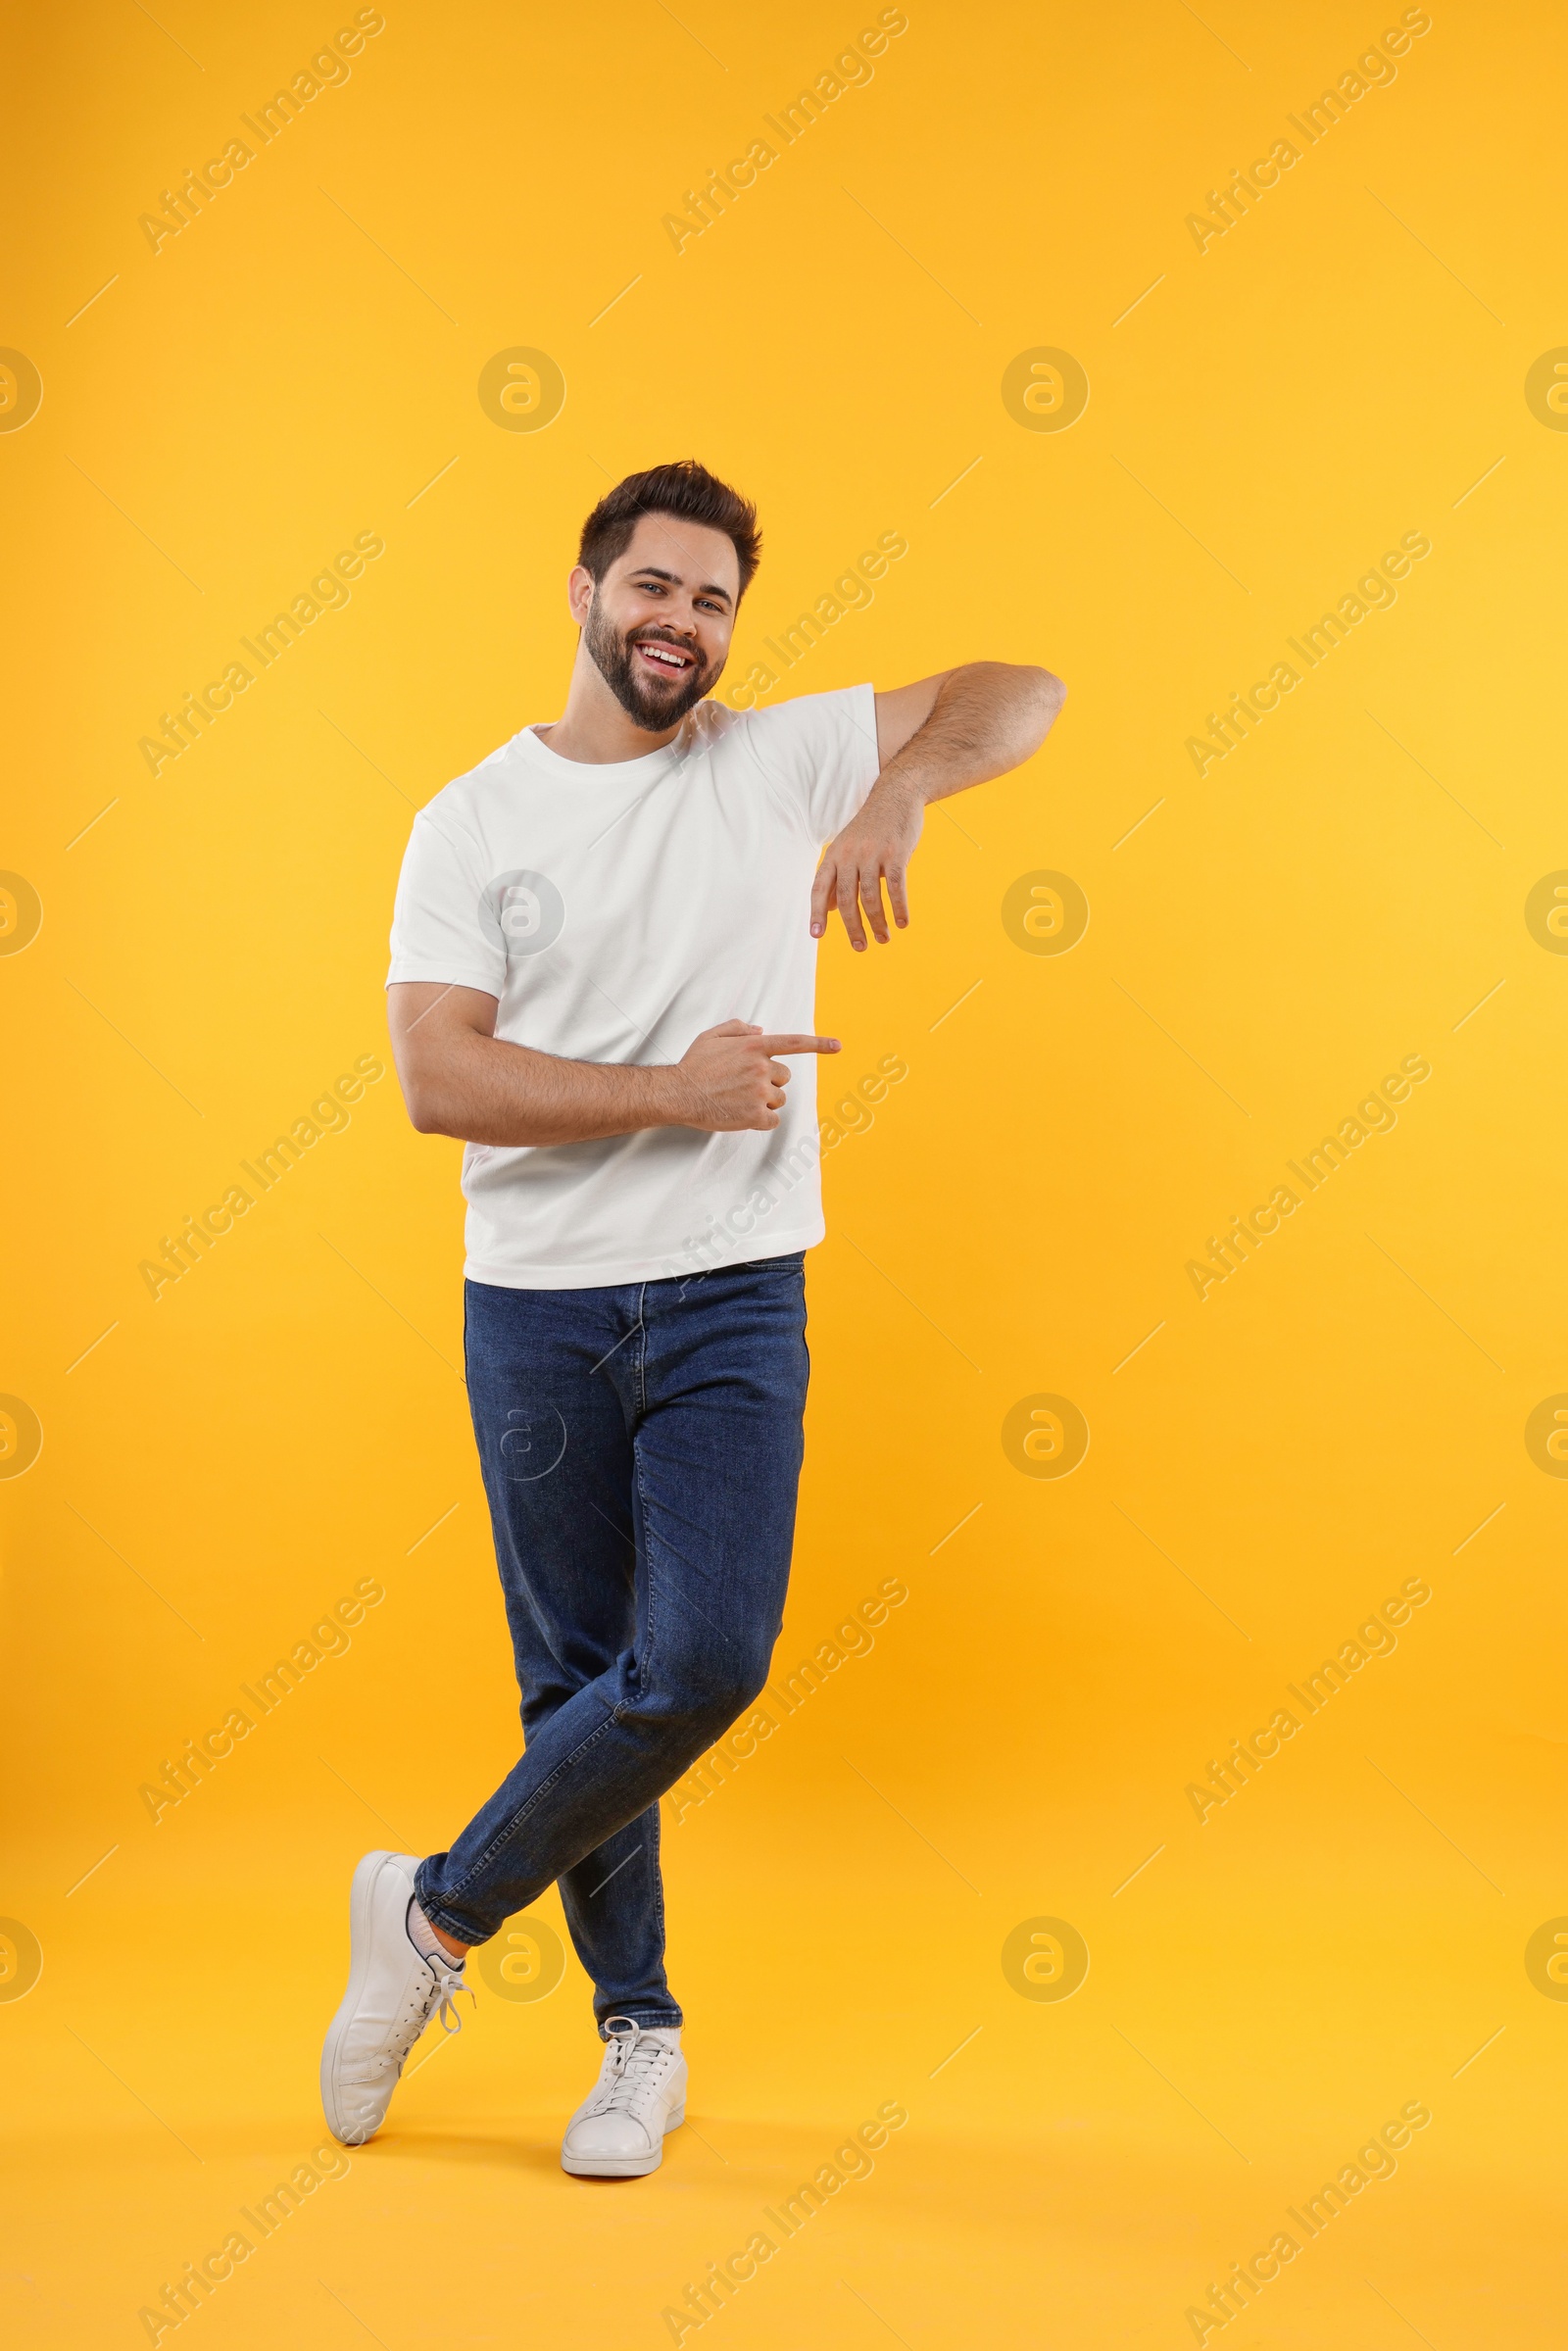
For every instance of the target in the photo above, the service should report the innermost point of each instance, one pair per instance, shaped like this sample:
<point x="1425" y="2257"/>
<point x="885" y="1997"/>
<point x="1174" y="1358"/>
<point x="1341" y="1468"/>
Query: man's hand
<point x="938" y="736"/>
<point x="874" y="846"/>
<point x="730" y="1078"/>
<point x="459" y="1078"/>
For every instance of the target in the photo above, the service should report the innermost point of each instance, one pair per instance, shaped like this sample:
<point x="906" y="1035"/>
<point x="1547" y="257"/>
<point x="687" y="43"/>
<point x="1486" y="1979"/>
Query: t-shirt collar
<point x="650" y="763"/>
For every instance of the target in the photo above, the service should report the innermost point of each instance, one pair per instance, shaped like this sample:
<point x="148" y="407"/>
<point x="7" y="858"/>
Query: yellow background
<point x="1339" y="892"/>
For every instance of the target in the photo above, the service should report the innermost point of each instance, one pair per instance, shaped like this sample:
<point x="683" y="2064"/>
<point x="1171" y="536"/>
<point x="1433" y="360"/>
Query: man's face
<point x="658" y="623"/>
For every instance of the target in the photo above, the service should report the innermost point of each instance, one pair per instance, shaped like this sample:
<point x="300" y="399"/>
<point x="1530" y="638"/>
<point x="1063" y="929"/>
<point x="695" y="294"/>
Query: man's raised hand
<point x="874" y="846"/>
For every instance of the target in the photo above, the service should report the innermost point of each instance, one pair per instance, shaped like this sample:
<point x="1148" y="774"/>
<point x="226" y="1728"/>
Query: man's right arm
<point x="459" y="1078"/>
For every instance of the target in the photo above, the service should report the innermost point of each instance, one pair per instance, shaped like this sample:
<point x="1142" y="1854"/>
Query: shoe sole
<point x="623" y="2167"/>
<point x="360" y="1893"/>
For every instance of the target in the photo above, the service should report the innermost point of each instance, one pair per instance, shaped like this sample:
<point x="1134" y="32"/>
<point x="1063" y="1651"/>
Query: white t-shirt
<point x="615" y="912"/>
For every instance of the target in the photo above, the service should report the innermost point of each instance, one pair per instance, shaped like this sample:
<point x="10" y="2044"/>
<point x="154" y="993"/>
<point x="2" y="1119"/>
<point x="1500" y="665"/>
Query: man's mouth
<point x="668" y="660"/>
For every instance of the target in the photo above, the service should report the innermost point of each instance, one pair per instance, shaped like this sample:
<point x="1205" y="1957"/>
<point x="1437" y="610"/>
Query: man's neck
<point x="593" y="729"/>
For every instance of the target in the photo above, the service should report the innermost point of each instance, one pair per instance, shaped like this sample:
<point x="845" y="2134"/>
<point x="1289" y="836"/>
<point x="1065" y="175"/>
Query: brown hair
<point x="684" y="489"/>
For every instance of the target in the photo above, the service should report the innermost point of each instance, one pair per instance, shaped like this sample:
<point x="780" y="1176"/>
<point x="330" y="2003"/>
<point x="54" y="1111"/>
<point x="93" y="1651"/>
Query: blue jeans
<point x="641" y="1449"/>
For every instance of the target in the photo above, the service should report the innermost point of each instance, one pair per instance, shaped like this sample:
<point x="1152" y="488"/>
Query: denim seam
<point x="645" y="1661"/>
<point x="657" y="1842"/>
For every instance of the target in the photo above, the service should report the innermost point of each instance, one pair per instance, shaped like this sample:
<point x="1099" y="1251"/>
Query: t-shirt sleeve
<point x="442" y="928"/>
<point x="820" y="750"/>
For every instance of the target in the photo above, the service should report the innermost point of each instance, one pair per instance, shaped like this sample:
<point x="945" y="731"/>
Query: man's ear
<point x="579" y="591"/>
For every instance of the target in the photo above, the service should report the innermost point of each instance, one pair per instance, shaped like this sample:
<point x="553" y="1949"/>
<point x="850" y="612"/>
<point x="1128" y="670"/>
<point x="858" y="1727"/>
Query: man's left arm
<point x="936" y="737"/>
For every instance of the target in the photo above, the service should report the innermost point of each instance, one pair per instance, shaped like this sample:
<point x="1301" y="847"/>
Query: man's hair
<point x="686" y="490"/>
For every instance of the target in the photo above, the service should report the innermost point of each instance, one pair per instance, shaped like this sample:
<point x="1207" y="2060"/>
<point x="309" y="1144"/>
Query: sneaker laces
<point x="449" y="1982"/>
<point x="634" y="2064"/>
<point x="439" y="2002"/>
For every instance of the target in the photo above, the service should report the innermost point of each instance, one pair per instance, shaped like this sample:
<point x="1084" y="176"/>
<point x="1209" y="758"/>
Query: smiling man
<point x="602" y="964"/>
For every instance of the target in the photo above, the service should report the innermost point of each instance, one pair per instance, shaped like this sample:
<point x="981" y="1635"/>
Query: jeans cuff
<point x="660" y="2017"/>
<point x="463" y="1929"/>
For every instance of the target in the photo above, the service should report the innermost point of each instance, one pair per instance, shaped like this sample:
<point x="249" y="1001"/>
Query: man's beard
<point x="646" y="701"/>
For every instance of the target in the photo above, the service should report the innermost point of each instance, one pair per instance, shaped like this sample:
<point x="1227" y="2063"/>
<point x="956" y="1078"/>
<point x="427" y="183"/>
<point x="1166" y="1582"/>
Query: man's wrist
<point x="665" y="1093"/>
<point x="898" y="787"/>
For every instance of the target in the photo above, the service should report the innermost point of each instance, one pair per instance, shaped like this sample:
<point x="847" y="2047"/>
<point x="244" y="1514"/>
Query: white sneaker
<point x="619" y="2132"/>
<point x="393" y="1993"/>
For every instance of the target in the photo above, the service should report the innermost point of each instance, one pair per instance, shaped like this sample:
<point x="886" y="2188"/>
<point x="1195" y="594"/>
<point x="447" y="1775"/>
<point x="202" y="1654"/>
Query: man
<point x="602" y="963"/>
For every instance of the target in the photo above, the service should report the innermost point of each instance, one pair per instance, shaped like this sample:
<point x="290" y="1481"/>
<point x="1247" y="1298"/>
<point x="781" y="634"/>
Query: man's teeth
<point x="666" y="655"/>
